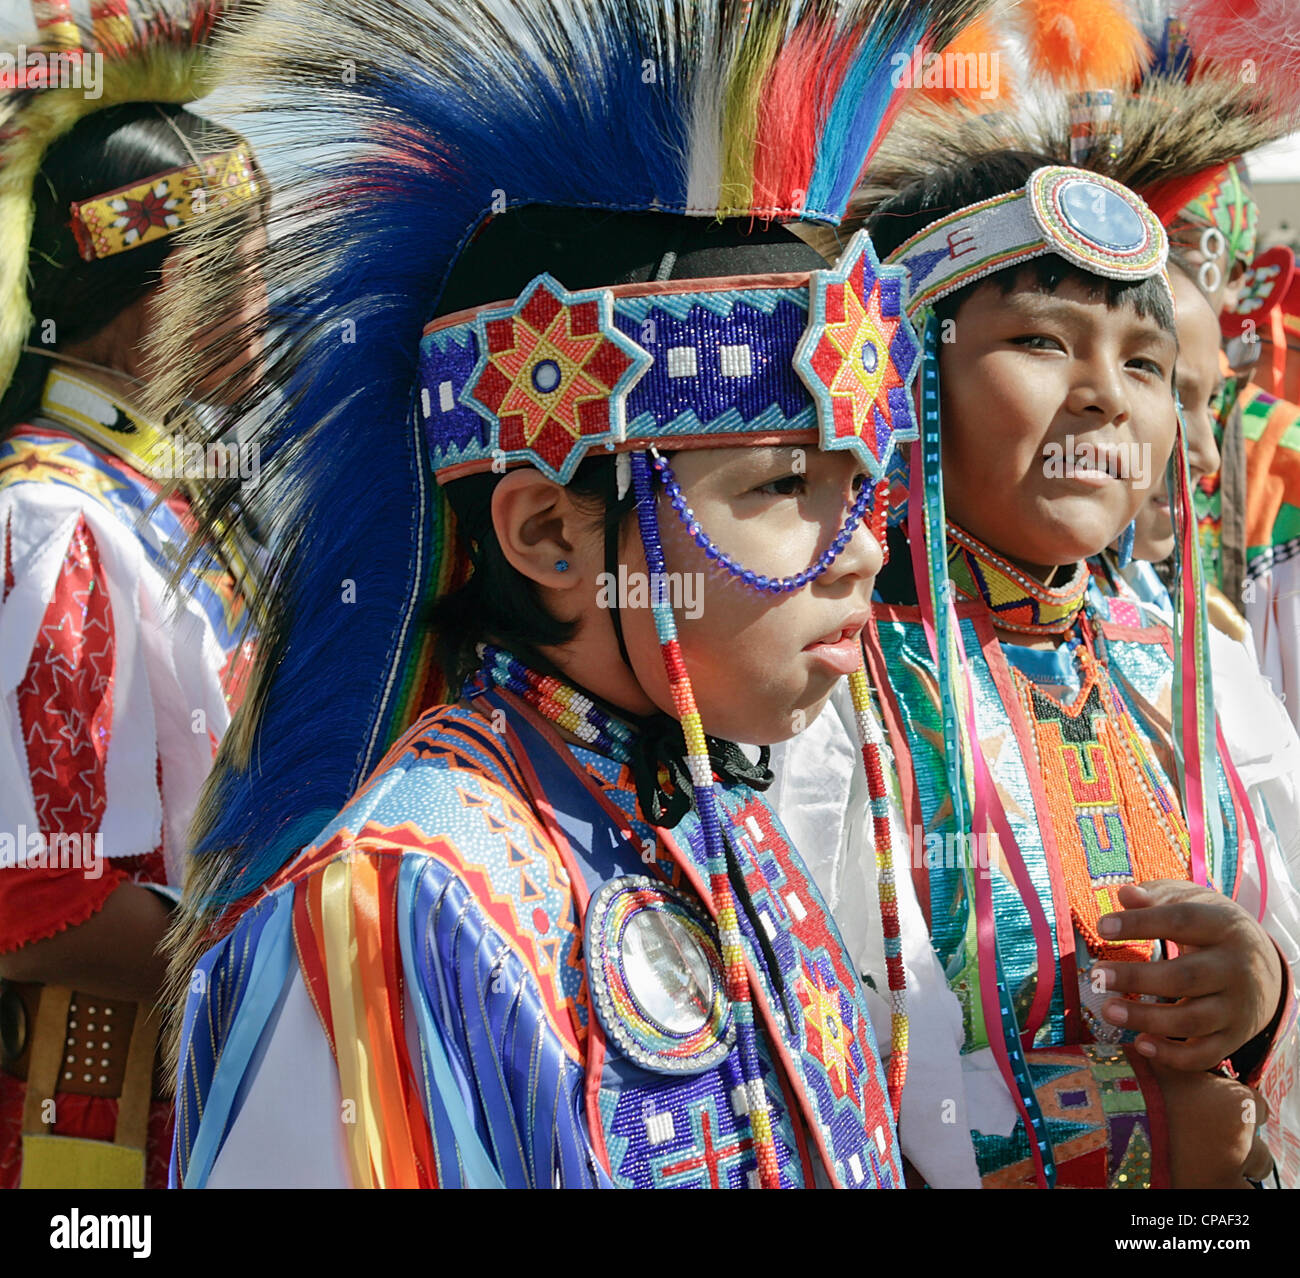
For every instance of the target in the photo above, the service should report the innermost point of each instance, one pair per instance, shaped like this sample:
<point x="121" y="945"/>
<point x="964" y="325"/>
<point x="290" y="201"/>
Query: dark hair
<point x="582" y="248"/>
<point x="114" y="147"/>
<point x="497" y="600"/>
<point x="946" y="190"/>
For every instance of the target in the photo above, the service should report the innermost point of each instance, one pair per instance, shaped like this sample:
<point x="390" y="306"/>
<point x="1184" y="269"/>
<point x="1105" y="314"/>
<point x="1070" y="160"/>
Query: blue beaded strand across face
<point x="756" y="581"/>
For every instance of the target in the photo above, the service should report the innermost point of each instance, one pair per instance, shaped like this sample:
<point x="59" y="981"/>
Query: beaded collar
<point x="104" y="419"/>
<point x="1017" y="600"/>
<point x="653" y="748"/>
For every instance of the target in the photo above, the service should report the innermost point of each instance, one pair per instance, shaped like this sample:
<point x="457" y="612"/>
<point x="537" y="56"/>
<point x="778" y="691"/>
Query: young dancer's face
<point x="762" y="666"/>
<point x="1057" y="412"/>
<point x="1198" y="379"/>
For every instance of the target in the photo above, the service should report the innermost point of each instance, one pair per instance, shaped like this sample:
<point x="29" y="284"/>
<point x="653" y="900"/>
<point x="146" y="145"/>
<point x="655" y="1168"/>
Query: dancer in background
<point x="115" y="687"/>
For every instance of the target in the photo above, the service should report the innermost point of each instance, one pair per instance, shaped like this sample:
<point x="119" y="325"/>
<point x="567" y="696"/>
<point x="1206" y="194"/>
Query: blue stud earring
<point x="561" y="565"/>
<point x="1124" y="551"/>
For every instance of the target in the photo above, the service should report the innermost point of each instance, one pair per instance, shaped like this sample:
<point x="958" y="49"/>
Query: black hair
<point x="995" y="173"/>
<point x="72" y="299"/>
<point x="581" y="248"/>
<point x="498" y="601"/>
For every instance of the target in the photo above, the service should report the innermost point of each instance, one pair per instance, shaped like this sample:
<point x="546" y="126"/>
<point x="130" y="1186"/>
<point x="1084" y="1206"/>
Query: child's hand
<point x="1227" y="976"/>
<point x="1214" y="1140"/>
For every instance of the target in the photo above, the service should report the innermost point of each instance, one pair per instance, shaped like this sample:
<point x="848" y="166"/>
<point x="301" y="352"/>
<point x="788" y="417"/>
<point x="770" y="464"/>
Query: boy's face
<point x="758" y="663"/>
<point x="1198" y="379"/>
<point x="1057" y="411"/>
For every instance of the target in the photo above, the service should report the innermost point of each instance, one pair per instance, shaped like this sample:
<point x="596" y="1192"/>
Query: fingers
<point x="1188" y="976"/>
<point x="1134" y="897"/>
<point x="1188" y="922"/>
<point x="1196" y="1018"/>
<point x="1191" y="1055"/>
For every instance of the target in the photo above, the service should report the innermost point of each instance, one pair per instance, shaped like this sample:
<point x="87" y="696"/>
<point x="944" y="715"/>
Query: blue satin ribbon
<point x="476" y="1169"/>
<point x="272" y="960"/>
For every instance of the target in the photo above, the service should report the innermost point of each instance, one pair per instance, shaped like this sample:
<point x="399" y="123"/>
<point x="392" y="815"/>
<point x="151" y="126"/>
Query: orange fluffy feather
<point x="1084" y="44"/>
<point x="980" y="38"/>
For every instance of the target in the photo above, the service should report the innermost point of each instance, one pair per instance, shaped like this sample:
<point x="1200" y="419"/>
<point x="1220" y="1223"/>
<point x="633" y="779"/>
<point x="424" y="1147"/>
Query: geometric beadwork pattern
<point x="1097" y="1122"/>
<point x="1114" y="820"/>
<point x="1017" y="600"/>
<point x="859" y="354"/>
<point x="694" y="1133"/>
<point x="821" y="357"/>
<point x="142" y="212"/>
<point x="812" y="986"/>
<point x="553" y="375"/>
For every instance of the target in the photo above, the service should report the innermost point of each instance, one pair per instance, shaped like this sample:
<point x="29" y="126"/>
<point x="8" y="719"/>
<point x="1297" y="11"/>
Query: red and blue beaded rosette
<point x="858" y="356"/>
<point x="553" y="375"/>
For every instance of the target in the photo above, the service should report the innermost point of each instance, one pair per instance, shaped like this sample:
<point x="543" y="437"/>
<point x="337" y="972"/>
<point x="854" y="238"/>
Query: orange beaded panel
<point x="1115" y="819"/>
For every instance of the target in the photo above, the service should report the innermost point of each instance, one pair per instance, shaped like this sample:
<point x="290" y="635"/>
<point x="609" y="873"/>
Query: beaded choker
<point x="654" y="748"/>
<point x="1017" y="601"/>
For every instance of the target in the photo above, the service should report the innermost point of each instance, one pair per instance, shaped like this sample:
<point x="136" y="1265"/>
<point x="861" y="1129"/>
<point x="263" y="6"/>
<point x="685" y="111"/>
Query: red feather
<point x="1259" y="40"/>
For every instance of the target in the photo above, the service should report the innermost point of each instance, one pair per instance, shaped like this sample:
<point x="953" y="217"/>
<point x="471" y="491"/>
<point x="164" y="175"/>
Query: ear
<point x="539" y="526"/>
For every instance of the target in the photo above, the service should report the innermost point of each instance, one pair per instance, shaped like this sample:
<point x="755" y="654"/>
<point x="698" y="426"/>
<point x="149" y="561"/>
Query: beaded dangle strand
<point x="871" y="740"/>
<point x="706" y="801"/>
<point x="756" y="581"/>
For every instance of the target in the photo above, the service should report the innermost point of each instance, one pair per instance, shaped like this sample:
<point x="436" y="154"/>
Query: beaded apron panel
<point x="1115" y="818"/>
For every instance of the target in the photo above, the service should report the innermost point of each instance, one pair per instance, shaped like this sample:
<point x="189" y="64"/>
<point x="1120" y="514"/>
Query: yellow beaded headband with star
<point x="160" y="205"/>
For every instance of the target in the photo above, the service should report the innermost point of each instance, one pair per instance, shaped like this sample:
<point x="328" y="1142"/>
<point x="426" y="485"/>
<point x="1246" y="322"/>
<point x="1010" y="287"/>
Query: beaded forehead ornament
<point x="1090" y="220"/>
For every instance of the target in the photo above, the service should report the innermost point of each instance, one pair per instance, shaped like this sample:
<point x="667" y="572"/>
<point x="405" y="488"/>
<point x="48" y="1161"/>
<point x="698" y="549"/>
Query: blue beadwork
<point x="756" y="581"/>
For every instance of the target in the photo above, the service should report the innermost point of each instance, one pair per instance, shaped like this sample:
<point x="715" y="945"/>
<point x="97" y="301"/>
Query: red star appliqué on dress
<point x="65" y="701"/>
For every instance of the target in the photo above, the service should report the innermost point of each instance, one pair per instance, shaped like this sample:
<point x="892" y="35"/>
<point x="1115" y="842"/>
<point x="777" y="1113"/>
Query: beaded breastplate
<point x="1114" y="817"/>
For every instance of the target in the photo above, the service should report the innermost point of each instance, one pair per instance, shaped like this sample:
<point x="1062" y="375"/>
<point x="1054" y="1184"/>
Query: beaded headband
<point x="823" y="357"/>
<point x="160" y="205"/>
<point x="1086" y="218"/>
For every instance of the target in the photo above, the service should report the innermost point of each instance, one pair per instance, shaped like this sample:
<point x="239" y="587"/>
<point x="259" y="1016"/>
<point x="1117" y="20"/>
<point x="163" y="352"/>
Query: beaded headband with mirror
<point x="1089" y="220"/>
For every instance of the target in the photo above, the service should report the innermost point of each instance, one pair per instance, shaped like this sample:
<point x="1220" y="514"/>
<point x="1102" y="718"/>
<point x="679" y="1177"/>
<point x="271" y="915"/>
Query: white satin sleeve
<point x="289" y="1131"/>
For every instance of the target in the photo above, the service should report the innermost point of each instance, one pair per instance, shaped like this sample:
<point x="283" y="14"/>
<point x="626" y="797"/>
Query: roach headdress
<point x="395" y="135"/>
